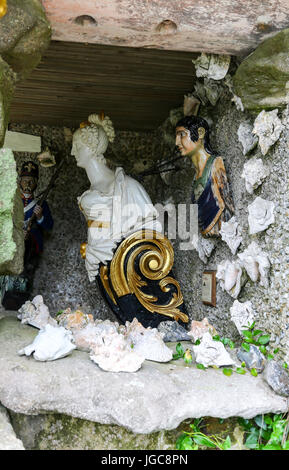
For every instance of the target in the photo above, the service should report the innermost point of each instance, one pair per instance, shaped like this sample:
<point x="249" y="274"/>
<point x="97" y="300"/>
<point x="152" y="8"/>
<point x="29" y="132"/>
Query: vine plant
<point x="264" y="432"/>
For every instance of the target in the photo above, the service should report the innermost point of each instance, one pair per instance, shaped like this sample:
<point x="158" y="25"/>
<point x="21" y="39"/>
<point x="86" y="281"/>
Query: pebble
<point x="277" y="377"/>
<point x="253" y="359"/>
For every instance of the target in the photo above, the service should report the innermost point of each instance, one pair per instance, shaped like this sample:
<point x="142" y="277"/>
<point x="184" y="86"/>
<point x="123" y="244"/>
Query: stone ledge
<point x="157" y="397"/>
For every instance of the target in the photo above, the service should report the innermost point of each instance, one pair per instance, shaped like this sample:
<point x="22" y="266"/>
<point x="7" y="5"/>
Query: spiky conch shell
<point x="105" y="123"/>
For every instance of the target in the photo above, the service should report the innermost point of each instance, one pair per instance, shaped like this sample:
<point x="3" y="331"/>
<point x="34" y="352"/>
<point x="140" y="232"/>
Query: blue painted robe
<point x="214" y="201"/>
<point x="45" y="223"/>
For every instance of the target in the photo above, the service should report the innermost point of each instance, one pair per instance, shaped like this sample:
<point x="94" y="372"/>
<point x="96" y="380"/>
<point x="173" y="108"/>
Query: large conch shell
<point x="256" y="263"/>
<point x="231" y="277"/>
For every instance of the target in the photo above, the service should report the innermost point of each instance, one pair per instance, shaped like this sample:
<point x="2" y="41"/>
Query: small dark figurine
<point x="37" y="219"/>
<point x="210" y="187"/>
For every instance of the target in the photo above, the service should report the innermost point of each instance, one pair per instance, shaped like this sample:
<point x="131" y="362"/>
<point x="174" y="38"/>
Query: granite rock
<point x="277" y="377"/>
<point x="173" y="331"/>
<point x="253" y="359"/>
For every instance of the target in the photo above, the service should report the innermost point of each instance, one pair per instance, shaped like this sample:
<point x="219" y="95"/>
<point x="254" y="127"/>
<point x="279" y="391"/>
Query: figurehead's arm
<point x="221" y="188"/>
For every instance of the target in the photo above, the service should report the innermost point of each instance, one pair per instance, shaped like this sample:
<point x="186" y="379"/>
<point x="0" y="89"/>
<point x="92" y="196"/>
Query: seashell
<point x="91" y="335"/>
<point x="114" y="353"/>
<point x="199" y="328"/>
<point x="254" y="173"/>
<point x="204" y="247"/>
<point x="214" y="66"/>
<point x="246" y="138"/>
<point x="147" y="342"/>
<point x="35" y="313"/>
<point x="51" y="343"/>
<point x="231" y="277"/>
<point x="242" y="314"/>
<point x="74" y="320"/>
<point x="230" y="233"/>
<point x="212" y="353"/>
<point x="46" y="159"/>
<point x="256" y="263"/>
<point x="267" y="127"/>
<point x="261" y="215"/>
<point x="191" y="105"/>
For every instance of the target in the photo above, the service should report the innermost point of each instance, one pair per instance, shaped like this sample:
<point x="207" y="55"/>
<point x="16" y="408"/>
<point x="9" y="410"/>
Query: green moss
<point x="262" y="79"/>
<point x="11" y="217"/>
<point x="7" y="84"/>
<point x="62" y="432"/>
<point x="24" y="35"/>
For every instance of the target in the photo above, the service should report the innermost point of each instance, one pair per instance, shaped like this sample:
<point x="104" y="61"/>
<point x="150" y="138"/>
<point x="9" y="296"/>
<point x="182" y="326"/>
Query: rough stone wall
<point x="11" y="233"/>
<point x="61" y="276"/>
<point x="271" y="305"/>
<point x="62" y="279"/>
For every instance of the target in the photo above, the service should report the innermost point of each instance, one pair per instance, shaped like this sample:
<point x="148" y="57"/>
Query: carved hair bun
<point x="105" y="123"/>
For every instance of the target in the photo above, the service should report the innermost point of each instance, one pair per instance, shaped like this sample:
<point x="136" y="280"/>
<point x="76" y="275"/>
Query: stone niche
<point x="61" y="277"/>
<point x="62" y="281"/>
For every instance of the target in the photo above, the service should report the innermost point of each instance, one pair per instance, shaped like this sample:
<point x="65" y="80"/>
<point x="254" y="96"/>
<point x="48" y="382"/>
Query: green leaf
<point x="264" y="339"/>
<point x="243" y="364"/>
<point x="245" y="423"/>
<point x="260" y="421"/>
<point x="257" y="332"/>
<point x="247" y="334"/>
<point x="216" y="338"/>
<point x="227" y="443"/>
<point x="59" y="312"/>
<point x="270" y="357"/>
<point x="240" y="370"/>
<point x="265" y="435"/>
<point x="201" y="366"/>
<point x="272" y="447"/>
<point x="228" y="342"/>
<point x="252" y="441"/>
<point x="184" y="442"/>
<point x="227" y="371"/>
<point x="268" y="420"/>
<point x="197" y="342"/>
<point x="246" y="347"/>
<point x="254" y="372"/>
<point x="263" y="349"/>
<point x="176" y="356"/>
<point x="276" y="350"/>
<point x="203" y="440"/>
<point x="180" y="349"/>
<point x="285" y="365"/>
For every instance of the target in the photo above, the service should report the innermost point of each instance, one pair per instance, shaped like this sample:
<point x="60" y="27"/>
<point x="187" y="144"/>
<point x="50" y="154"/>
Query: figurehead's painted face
<point x="27" y="184"/>
<point x="183" y="141"/>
